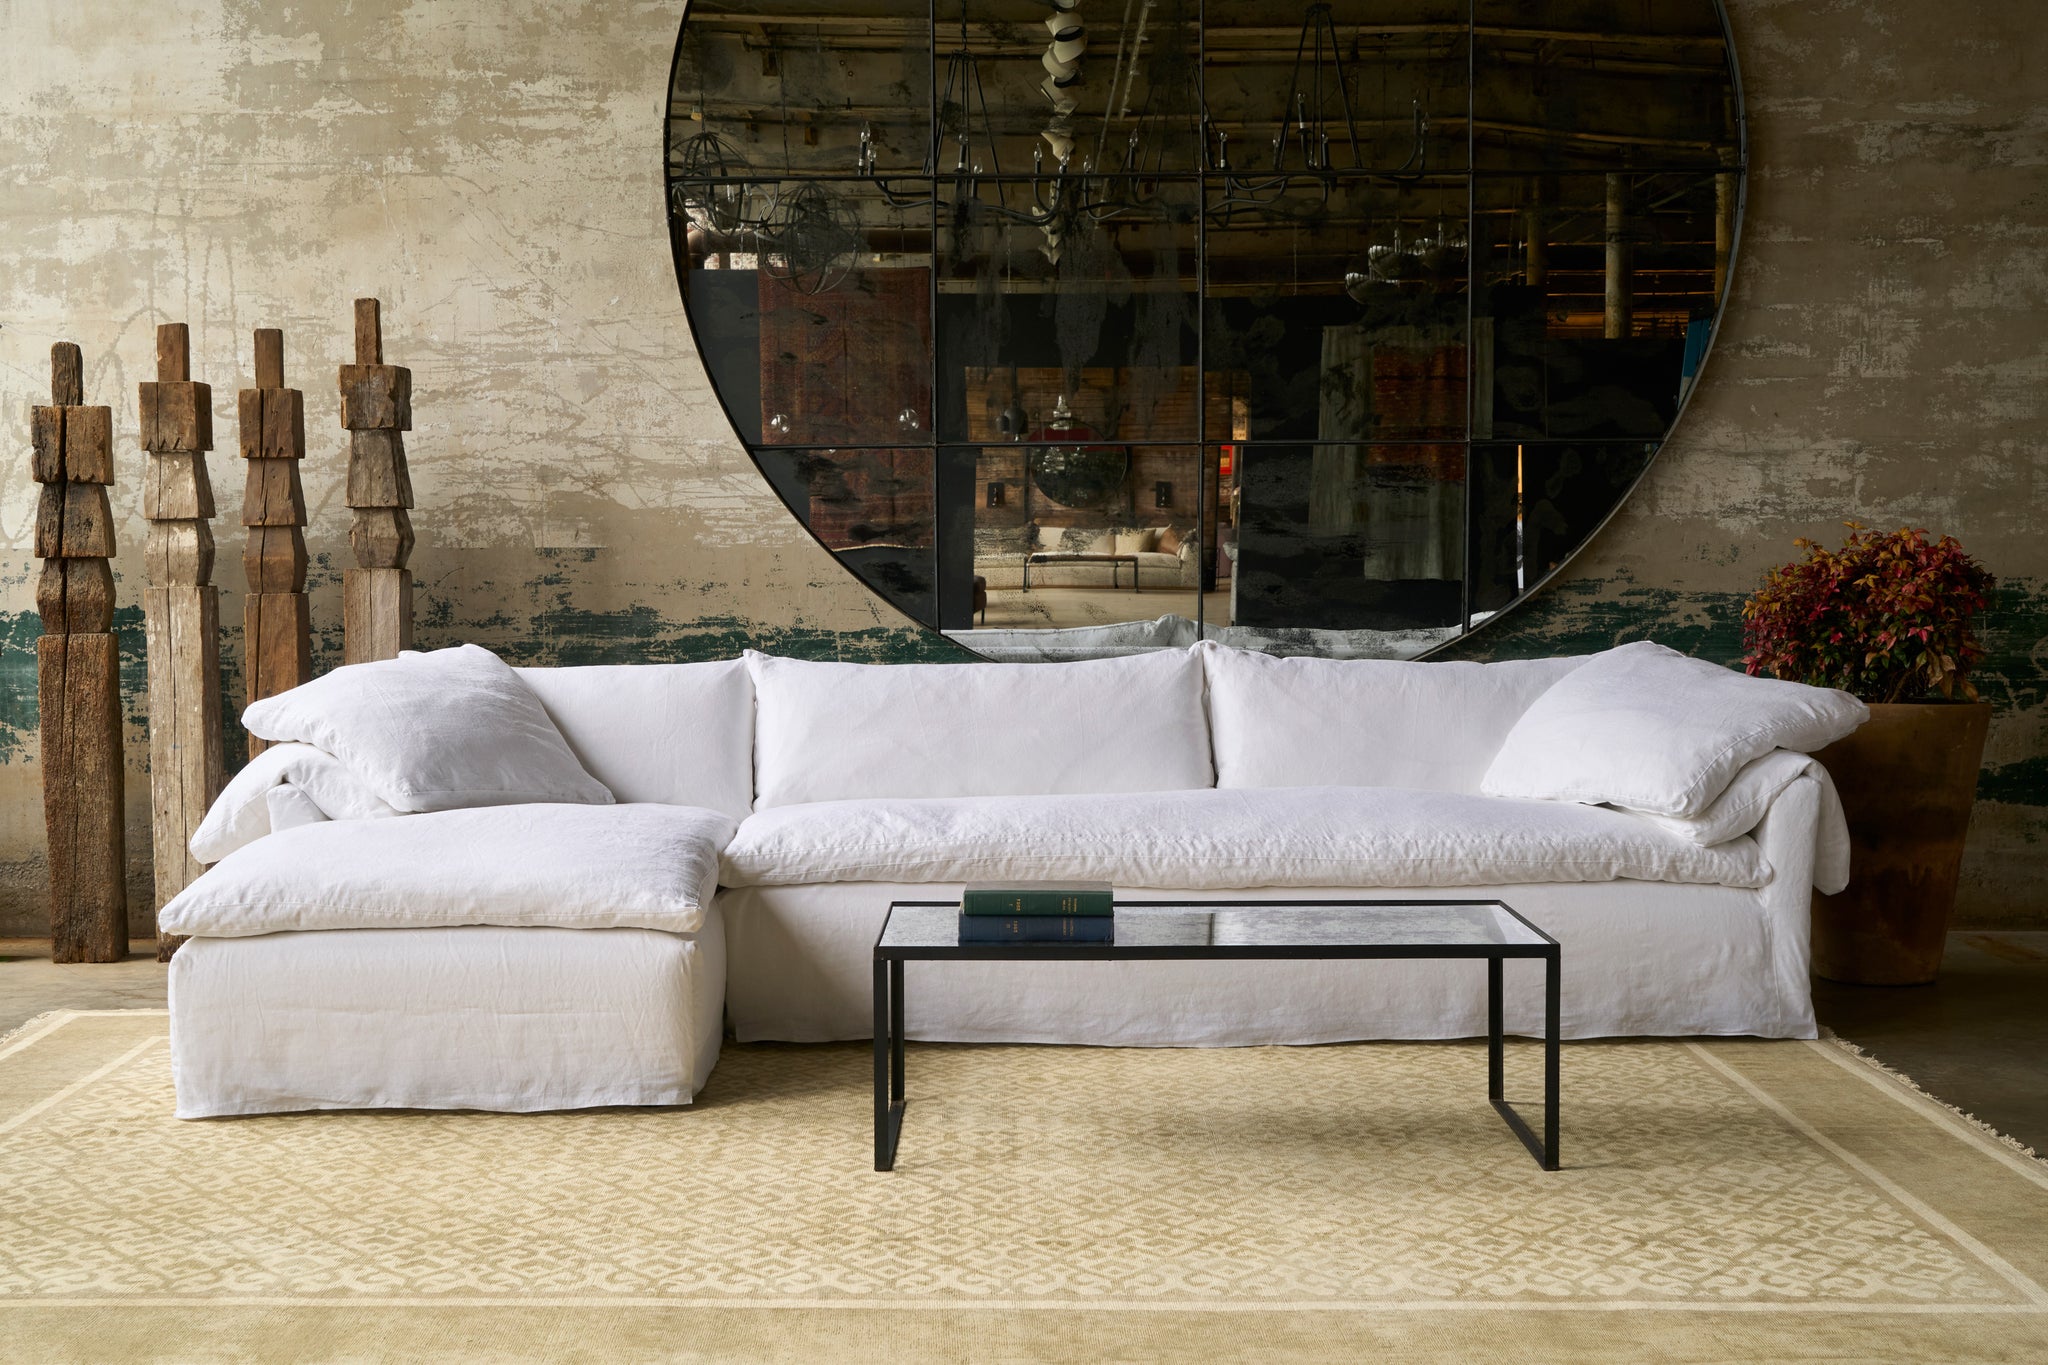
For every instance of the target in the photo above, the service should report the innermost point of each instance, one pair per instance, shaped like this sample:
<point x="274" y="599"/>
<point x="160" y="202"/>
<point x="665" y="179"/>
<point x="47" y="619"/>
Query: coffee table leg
<point x="1545" y="1149"/>
<point x="1495" y="1040"/>
<point x="896" y="1032"/>
<point x="1551" y="995"/>
<point x="888" y="1061"/>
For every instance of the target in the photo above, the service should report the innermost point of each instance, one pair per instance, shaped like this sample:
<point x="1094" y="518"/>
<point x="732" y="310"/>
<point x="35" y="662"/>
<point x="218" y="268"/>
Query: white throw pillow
<point x="570" y="866"/>
<point x="679" y="734"/>
<point x="1306" y="722"/>
<point x="832" y="731"/>
<point x="1738" y="809"/>
<point x="1648" y="728"/>
<point x="434" y="731"/>
<point x="241" y="814"/>
<point x="1136" y="542"/>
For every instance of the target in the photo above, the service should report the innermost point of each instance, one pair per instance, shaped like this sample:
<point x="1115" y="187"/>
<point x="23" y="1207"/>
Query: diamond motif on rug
<point x="1372" y="1174"/>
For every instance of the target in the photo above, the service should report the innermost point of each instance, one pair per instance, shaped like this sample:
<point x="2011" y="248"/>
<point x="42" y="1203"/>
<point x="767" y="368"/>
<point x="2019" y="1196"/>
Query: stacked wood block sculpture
<point x="277" y="639"/>
<point x="180" y="611"/>
<point x="78" y="670"/>
<point x="376" y="408"/>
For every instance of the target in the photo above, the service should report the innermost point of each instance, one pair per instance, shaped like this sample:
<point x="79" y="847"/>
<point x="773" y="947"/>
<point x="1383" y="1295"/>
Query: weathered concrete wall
<point x="492" y="171"/>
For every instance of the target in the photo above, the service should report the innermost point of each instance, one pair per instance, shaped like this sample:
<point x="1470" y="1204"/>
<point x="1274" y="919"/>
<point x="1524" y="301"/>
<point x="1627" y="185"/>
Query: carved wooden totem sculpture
<point x="277" y="639"/>
<point x="180" y="612"/>
<point x="78" y="670"/>
<point x="376" y="408"/>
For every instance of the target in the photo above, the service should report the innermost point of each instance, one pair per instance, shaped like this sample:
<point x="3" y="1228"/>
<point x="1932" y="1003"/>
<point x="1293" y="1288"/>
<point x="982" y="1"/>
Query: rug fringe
<point x="1901" y="1079"/>
<point x="29" y="1023"/>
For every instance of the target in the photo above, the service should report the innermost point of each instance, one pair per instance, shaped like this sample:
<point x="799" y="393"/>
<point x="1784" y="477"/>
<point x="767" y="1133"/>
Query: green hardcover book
<point x="1037" y="898"/>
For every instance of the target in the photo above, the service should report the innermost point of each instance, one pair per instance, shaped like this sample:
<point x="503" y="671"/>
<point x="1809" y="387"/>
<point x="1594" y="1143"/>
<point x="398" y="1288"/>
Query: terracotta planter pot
<point x="1907" y="780"/>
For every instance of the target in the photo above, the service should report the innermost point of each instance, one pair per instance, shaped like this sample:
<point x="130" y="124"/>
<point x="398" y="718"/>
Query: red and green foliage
<point x="1886" y="617"/>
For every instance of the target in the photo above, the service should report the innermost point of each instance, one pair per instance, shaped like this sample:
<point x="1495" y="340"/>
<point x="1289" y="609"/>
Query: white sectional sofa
<point x="1002" y="554"/>
<point x="825" y="791"/>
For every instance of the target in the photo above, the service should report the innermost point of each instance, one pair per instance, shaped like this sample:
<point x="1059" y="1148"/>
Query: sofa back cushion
<point x="838" y="732"/>
<point x="675" y="734"/>
<point x="1364" y="722"/>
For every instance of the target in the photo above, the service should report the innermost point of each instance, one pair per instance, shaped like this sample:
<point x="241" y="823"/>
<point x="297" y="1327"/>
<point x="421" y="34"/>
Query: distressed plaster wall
<point x="491" y="170"/>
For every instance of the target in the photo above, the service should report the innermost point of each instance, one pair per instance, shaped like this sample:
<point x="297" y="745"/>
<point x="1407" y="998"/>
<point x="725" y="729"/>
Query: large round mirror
<point x="1076" y="328"/>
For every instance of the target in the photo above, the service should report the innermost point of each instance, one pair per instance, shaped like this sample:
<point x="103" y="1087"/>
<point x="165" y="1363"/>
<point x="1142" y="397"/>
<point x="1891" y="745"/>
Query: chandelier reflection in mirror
<point x="1337" y="328"/>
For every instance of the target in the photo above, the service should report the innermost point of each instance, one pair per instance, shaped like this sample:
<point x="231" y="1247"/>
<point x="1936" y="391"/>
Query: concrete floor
<point x="31" y="984"/>
<point x="1978" y="1038"/>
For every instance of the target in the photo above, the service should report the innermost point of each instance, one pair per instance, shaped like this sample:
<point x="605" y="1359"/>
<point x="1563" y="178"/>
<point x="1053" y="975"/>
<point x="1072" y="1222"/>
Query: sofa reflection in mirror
<point x="1072" y="527"/>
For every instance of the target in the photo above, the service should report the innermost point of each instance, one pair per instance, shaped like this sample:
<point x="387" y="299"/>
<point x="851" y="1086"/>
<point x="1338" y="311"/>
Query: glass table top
<point x="1255" y="925"/>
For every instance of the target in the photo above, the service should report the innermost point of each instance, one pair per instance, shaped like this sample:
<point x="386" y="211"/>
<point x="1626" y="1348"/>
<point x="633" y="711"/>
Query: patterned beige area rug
<point x="1324" y="1184"/>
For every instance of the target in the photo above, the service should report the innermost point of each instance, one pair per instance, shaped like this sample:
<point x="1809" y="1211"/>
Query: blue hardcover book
<point x="1037" y="929"/>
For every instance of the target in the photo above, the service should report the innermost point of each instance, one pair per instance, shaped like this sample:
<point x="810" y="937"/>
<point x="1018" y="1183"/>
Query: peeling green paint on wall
<point x="20" y="712"/>
<point x="1585" y="616"/>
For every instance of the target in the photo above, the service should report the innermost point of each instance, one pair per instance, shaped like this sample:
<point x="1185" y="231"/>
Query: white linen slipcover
<point x="1639" y="958"/>
<point x="676" y="734"/>
<point x="441" y="730"/>
<point x="566" y="866"/>
<point x="1282" y="837"/>
<point x="469" y="1018"/>
<point x="1653" y="730"/>
<point x="290" y="807"/>
<point x="240" y="815"/>
<point x="1307" y="722"/>
<point x="1740" y="808"/>
<point x="837" y="732"/>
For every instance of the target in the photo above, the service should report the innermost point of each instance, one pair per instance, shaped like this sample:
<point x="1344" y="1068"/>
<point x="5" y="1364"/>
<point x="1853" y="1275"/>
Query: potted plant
<point x="1888" y="618"/>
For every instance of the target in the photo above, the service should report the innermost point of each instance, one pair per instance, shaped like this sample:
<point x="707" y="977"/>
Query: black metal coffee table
<point x="929" y="931"/>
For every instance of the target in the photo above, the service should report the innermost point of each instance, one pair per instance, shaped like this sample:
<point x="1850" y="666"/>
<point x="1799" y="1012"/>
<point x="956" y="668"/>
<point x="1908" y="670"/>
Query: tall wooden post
<point x="376" y="408"/>
<point x="277" y="640"/>
<point x="180" y="613"/>
<point x="78" y="670"/>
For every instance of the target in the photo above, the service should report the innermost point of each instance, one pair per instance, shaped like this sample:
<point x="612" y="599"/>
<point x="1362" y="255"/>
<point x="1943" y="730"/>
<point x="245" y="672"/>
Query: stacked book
<point x="1037" y="912"/>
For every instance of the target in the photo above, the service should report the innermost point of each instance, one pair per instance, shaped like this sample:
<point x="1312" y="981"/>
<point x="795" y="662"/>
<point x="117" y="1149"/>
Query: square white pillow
<point x="439" y="731"/>
<point x="565" y="866"/>
<point x="1651" y="729"/>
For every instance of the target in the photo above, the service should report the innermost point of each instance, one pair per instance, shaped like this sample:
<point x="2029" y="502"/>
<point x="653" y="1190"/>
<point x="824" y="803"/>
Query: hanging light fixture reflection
<point x="1313" y="137"/>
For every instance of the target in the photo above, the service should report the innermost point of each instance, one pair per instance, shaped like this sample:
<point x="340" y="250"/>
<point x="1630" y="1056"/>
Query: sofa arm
<point x="1790" y="838"/>
<point x="1189" y="573"/>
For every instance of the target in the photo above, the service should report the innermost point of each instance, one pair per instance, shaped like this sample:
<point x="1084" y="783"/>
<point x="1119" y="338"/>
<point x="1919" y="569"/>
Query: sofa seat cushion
<point x="568" y="866"/>
<point x="1191" y="840"/>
